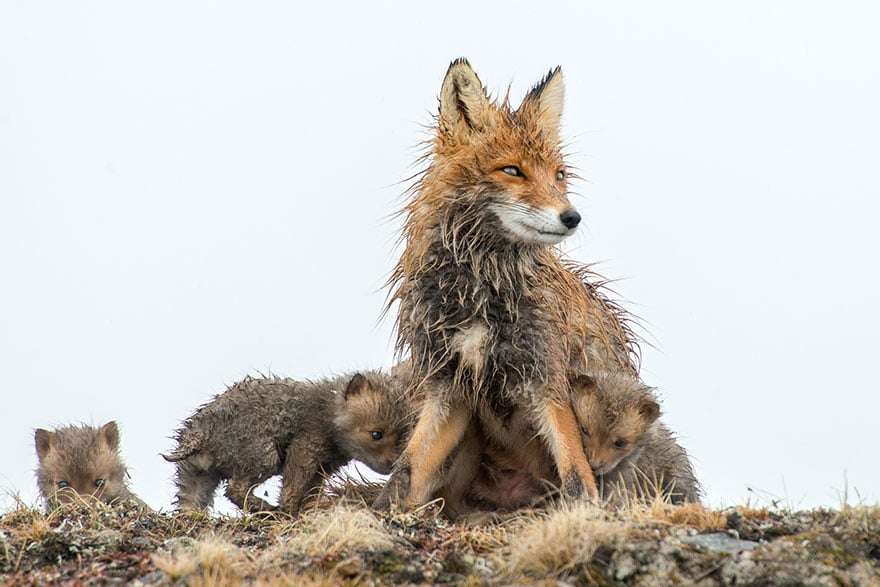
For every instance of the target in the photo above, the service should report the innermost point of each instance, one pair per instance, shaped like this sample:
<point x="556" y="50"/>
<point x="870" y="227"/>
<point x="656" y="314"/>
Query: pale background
<point x="195" y="191"/>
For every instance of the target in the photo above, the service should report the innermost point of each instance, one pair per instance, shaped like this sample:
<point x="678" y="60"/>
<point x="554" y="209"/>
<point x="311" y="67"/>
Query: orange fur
<point x="494" y="322"/>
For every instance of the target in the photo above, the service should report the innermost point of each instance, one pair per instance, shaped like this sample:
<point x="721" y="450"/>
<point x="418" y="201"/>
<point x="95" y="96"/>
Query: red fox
<point x="302" y="430"/>
<point x="493" y="321"/>
<point x="77" y="462"/>
<point x="633" y="454"/>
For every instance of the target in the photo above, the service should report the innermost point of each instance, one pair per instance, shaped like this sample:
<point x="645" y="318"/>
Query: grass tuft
<point x="558" y="543"/>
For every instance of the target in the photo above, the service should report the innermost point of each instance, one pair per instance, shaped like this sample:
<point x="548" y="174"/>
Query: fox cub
<point x="76" y="462"/>
<point x="632" y="453"/>
<point x="304" y="431"/>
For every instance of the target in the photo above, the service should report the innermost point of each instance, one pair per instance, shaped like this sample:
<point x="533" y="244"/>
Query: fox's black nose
<point x="570" y="218"/>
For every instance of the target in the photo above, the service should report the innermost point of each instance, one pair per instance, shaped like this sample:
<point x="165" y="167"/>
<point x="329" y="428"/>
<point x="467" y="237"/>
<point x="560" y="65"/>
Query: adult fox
<point x="494" y="323"/>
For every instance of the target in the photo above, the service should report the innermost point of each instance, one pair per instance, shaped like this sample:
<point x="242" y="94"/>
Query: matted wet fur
<point x="302" y="430"/>
<point x="496" y="325"/>
<point x="81" y="462"/>
<point x="633" y="454"/>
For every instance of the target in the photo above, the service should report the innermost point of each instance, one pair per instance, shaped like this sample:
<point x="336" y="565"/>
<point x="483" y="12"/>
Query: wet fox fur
<point x="304" y="431"/>
<point x="77" y="462"/>
<point x="495" y="324"/>
<point x="633" y="454"/>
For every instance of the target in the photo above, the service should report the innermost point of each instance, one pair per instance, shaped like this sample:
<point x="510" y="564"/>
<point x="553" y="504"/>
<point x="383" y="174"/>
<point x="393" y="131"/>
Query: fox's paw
<point x="574" y="487"/>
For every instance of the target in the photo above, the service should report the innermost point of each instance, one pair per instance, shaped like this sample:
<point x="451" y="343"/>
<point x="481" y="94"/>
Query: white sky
<point x="195" y="191"/>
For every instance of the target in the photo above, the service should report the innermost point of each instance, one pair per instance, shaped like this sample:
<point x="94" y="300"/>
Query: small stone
<point x="719" y="542"/>
<point x="625" y="567"/>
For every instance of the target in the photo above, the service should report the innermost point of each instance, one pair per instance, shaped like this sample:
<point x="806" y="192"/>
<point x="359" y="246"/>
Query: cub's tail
<point x="188" y="443"/>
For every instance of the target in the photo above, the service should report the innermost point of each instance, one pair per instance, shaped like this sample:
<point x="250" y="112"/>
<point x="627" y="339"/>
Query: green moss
<point x="390" y="564"/>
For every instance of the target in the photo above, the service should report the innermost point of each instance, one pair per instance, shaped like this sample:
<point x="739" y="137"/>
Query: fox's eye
<point x="512" y="170"/>
<point x="619" y="443"/>
<point x="63" y="484"/>
<point x="376" y="434"/>
<point x="99" y="483"/>
<point x="560" y="175"/>
<point x="585" y="431"/>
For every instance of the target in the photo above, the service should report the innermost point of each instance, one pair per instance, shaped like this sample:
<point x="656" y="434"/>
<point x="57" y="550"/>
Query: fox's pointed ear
<point x="110" y="434"/>
<point x="545" y="102"/>
<point x="649" y="409"/>
<point x="463" y="100"/>
<point x="43" y="442"/>
<point x="584" y="384"/>
<point x="357" y="384"/>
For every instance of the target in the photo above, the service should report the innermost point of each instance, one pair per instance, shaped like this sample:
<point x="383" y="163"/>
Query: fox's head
<point x="80" y="462"/>
<point x="503" y="162"/>
<point x="372" y="420"/>
<point x="615" y="412"/>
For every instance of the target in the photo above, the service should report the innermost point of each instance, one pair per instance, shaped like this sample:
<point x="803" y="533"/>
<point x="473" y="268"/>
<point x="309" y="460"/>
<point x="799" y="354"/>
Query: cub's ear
<point x="544" y="102"/>
<point x="583" y="384"/>
<point x="649" y="409"/>
<point x="43" y="442"/>
<point x="110" y="433"/>
<point x="357" y="385"/>
<point x="463" y="101"/>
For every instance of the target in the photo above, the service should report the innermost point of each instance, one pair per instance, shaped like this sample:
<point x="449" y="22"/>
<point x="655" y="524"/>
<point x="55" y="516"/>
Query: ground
<point x="339" y="541"/>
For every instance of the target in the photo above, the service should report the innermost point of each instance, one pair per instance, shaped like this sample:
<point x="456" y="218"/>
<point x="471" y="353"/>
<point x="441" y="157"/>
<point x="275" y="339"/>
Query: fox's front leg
<point x="415" y="475"/>
<point x="301" y="476"/>
<point x="560" y="429"/>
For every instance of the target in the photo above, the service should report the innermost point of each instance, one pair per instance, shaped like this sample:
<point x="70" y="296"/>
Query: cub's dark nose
<point x="570" y="218"/>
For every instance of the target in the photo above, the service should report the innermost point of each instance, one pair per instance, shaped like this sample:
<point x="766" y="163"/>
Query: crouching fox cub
<point x="261" y="427"/>
<point x="81" y="462"/>
<point x="632" y="453"/>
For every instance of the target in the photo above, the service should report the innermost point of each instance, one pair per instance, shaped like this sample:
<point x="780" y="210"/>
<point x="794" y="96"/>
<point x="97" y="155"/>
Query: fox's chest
<point x="488" y="338"/>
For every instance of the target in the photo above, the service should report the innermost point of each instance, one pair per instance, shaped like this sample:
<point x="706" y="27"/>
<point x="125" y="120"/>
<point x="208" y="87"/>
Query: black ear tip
<point x="356" y="384"/>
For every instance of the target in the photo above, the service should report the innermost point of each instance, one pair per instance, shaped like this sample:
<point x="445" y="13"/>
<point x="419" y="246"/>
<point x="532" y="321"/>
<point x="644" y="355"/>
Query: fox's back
<point x="249" y="426"/>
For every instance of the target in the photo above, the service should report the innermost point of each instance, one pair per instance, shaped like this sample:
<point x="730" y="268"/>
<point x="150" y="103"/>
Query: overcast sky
<point x="191" y="192"/>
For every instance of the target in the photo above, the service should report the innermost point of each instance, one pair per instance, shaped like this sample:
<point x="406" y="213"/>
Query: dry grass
<point x="861" y="519"/>
<point x="693" y="515"/>
<point x="338" y="541"/>
<point x="206" y="563"/>
<point x="338" y="530"/>
<point x="555" y="544"/>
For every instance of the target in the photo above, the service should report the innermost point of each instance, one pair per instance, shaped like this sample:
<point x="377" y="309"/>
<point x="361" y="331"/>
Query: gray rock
<point x="719" y="542"/>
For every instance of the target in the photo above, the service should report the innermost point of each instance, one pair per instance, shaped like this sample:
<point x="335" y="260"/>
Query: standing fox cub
<point x="633" y="454"/>
<point x="494" y="323"/>
<point x="78" y="462"/>
<point x="264" y="427"/>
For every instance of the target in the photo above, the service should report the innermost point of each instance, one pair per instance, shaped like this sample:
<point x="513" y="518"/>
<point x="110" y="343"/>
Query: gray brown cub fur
<point x="263" y="427"/>
<point x="632" y="453"/>
<point x="78" y="462"/>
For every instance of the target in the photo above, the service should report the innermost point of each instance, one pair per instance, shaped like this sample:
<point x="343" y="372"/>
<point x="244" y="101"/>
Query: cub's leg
<point x="301" y="476"/>
<point x="195" y="486"/>
<point x="241" y="493"/>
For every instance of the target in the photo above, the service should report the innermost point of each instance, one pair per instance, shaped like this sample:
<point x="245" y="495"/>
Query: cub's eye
<point x="99" y="483"/>
<point x="512" y="170"/>
<point x="376" y="434"/>
<point x="63" y="484"/>
<point x="560" y="175"/>
<point x="619" y="443"/>
<point x="585" y="432"/>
